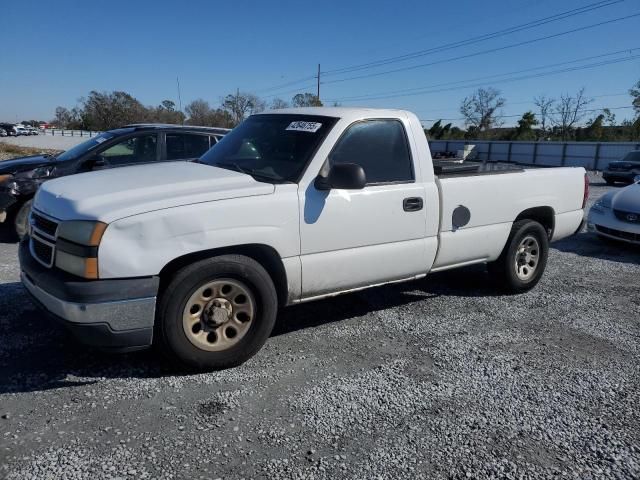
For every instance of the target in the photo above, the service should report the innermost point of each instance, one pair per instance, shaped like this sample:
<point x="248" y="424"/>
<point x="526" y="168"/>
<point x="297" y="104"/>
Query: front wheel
<point x="217" y="313"/>
<point x="524" y="258"/>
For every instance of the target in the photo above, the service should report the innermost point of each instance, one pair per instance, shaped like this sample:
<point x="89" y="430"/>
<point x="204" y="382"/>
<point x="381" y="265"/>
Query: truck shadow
<point x="37" y="354"/>
<point x="588" y="244"/>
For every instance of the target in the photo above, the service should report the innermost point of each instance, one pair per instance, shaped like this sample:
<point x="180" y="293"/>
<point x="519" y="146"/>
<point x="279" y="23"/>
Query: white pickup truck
<point x="291" y="206"/>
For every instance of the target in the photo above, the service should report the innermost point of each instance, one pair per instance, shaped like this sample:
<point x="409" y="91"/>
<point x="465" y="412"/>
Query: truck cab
<point x="289" y="207"/>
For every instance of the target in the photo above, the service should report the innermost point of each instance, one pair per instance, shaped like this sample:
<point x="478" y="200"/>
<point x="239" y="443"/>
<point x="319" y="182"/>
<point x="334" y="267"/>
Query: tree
<point x="306" y="100"/>
<point x="437" y="131"/>
<point x="545" y="107"/>
<point x="481" y="111"/>
<point x="241" y="105"/>
<point x="635" y="93"/>
<point x="524" y="130"/>
<point x="278" y="103"/>
<point x="198" y="112"/>
<point x="168" y="105"/>
<point x="201" y="113"/>
<point x="104" y="111"/>
<point x="569" y="111"/>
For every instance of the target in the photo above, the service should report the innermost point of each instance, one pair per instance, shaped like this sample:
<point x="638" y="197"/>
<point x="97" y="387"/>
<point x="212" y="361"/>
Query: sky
<point x="63" y="49"/>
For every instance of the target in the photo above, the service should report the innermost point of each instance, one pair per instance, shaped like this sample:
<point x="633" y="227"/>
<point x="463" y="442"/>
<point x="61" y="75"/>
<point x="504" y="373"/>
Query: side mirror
<point x="346" y="176"/>
<point x="98" y="162"/>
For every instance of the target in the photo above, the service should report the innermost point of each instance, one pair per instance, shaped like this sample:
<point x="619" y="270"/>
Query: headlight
<point x="42" y="172"/>
<point x="82" y="232"/>
<point x="77" y="247"/>
<point x="80" y="266"/>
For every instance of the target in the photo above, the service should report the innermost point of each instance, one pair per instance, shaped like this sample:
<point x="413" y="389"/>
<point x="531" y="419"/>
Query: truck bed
<point x="445" y="169"/>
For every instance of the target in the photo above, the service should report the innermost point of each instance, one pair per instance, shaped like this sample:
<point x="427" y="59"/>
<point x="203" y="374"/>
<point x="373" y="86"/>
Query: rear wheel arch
<point x="545" y="216"/>
<point x="265" y="255"/>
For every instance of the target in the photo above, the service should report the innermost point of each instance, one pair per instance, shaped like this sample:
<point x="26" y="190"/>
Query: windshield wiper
<point x="255" y="175"/>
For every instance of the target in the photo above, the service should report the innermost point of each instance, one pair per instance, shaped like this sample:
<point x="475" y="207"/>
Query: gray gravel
<point x="440" y="378"/>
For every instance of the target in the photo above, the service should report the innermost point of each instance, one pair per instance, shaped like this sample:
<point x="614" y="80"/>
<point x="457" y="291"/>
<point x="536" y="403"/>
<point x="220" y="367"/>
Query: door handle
<point x="412" y="204"/>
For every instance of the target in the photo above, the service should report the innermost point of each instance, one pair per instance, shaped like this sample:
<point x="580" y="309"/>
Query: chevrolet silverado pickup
<point x="291" y="206"/>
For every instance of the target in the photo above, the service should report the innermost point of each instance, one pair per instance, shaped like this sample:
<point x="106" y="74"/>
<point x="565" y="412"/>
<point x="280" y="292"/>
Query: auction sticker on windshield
<point x="311" y="127"/>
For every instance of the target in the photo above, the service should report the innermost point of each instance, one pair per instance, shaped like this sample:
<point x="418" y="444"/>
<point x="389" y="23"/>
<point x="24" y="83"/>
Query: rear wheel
<point x="524" y="258"/>
<point x="217" y="313"/>
<point x="21" y="220"/>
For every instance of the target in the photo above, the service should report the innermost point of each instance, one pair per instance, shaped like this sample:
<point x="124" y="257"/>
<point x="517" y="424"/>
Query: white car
<point x="291" y="206"/>
<point x="616" y="214"/>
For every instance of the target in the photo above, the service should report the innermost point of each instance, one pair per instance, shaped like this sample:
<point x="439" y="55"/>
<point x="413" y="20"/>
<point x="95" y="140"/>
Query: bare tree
<point x="278" y="103"/>
<point x="306" y="100"/>
<point x="569" y="111"/>
<point x="545" y="107"/>
<point x="481" y="111"/>
<point x="242" y="105"/>
<point x="198" y="112"/>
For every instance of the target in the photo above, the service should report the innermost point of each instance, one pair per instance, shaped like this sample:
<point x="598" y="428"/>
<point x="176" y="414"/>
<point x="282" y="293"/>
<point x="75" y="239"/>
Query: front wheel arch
<point x="265" y="255"/>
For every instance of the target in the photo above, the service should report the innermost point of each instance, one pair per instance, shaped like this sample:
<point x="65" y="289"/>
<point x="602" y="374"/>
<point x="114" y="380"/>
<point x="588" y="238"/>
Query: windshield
<point x="274" y="148"/>
<point x="632" y="157"/>
<point x="84" y="147"/>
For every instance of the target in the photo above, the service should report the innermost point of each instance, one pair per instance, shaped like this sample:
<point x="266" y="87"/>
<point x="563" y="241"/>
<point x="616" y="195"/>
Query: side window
<point x="182" y="146"/>
<point x="195" y="145"/>
<point x="380" y="147"/>
<point x="141" y="149"/>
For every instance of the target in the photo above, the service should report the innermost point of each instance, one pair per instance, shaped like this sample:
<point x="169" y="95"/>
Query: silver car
<point x="616" y="214"/>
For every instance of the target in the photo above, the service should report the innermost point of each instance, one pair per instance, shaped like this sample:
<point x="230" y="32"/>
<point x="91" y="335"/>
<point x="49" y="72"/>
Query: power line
<point x="473" y="40"/>
<point x="483" y="52"/>
<point x="515" y="29"/>
<point x="426" y="88"/>
<point x="519" y="114"/>
<point x="530" y="102"/>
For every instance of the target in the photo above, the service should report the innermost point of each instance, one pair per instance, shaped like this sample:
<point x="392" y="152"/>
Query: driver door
<point x="357" y="238"/>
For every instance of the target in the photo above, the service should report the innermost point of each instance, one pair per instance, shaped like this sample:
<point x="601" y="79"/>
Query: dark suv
<point x="625" y="170"/>
<point x="130" y="145"/>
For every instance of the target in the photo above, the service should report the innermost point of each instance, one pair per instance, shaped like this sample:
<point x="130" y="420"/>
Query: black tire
<point x="505" y="269"/>
<point x="21" y="220"/>
<point x="170" y="333"/>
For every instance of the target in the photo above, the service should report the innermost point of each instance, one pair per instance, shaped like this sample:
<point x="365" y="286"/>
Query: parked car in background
<point x="20" y="130"/>
<point x="32" y="130"/>
<point x="624" y="170"/>
<point x="130" y="145"/>
<point x="293" y="205"/>
<point x="616" y="215"/>
<point x="10" y="129"/>
<point x="3" y="132"/>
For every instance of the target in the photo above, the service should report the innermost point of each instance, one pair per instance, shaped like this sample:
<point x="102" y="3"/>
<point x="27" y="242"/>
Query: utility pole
<point x="318" y="92"/>
<point x="179" y="98"/>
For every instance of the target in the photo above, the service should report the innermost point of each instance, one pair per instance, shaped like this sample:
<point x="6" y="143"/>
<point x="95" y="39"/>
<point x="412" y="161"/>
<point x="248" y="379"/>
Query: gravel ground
<point x="440" y="378"/>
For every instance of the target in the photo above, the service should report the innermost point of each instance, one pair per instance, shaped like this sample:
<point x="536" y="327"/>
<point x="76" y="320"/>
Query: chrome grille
<point x="43" y="238"/>
<point x="41" y="251"/>
<point x="45" y="225"/>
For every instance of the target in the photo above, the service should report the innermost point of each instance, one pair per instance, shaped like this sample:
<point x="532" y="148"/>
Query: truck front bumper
<point x="116" y="315"/>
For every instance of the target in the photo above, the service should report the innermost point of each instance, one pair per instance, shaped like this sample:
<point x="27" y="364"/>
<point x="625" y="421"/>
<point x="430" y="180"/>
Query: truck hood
<point x="627" y="199"/>
<point x="24" y="164"/>
<point x="109" y="195"/>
